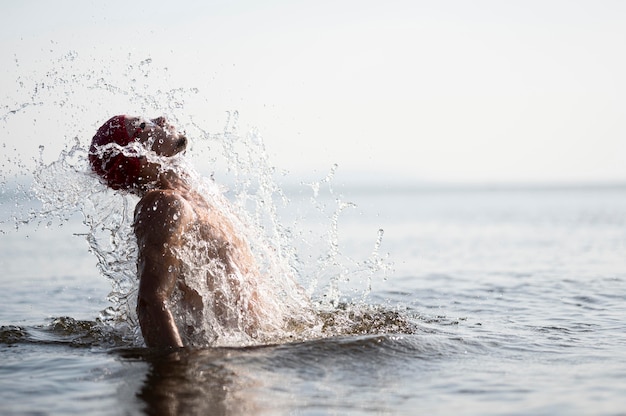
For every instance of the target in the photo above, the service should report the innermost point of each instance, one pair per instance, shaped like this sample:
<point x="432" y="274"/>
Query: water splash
<point x="252" y="201"/>
<point x="333" y="268"/>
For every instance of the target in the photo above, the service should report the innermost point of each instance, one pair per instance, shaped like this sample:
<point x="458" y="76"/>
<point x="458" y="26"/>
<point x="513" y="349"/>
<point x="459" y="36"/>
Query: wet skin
<point x="170" y="210"/>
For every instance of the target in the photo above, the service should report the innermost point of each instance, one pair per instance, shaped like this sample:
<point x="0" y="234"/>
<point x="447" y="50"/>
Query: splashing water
<point x="66" y="186"/>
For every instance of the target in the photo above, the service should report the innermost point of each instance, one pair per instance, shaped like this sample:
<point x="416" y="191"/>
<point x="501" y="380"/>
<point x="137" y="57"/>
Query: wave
<point x="345" y="320"/>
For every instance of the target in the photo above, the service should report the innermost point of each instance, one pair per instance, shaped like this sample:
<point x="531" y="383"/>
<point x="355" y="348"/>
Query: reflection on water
<point x="193" y="382"/>
<point x="274" y="379"/>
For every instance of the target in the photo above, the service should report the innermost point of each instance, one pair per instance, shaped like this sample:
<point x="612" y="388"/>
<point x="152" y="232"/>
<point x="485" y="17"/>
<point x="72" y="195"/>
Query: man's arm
<point x="159" y="220"/>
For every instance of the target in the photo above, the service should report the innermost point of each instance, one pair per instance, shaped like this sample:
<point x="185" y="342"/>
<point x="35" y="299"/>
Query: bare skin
<point x="168" y="211"/>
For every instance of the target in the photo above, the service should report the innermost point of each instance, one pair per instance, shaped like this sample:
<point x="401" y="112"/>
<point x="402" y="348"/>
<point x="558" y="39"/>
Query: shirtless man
<point x="169" y="212"/>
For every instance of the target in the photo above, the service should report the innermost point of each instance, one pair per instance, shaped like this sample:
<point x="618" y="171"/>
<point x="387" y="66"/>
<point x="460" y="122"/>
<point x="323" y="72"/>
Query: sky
<point x="409" y="91"/>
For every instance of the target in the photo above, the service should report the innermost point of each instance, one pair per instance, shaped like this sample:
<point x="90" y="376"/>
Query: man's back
<point x="188" y="246"/>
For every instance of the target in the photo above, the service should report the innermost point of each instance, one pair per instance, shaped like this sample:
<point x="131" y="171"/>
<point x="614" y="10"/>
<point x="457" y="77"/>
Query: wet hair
<point x="117" y="169"/>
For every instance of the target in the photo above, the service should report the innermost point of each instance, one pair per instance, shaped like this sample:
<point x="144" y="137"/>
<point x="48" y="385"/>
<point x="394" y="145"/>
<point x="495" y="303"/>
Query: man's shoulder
<point x="160" y="195"/>
<point x="161" y="203"/>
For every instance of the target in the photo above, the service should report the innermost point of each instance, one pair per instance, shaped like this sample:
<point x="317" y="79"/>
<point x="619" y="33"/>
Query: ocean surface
<point x="497" y="301"/>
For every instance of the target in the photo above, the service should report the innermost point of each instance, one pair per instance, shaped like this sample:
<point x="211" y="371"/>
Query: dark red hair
<point x="118" y="170"/>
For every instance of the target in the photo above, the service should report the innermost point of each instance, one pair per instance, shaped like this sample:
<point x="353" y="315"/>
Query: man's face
<point x="158" y="135"/>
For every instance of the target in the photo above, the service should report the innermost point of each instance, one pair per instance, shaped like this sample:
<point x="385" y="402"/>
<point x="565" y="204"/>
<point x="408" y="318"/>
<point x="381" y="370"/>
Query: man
<point x="194" y="268"/>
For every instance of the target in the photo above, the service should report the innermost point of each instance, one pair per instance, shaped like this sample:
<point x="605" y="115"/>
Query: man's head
<point x="114" y="154"/>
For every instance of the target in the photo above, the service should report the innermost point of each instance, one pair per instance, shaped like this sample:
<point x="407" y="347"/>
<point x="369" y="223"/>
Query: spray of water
<point x="252" y="201"/>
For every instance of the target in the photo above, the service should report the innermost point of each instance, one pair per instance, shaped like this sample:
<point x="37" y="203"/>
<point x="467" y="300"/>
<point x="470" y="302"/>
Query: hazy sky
<point x="421" y="90"/>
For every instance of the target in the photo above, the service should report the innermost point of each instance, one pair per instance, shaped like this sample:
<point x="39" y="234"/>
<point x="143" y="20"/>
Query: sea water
<point x="516" y="297"/>
<point x="434" y="300"/>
